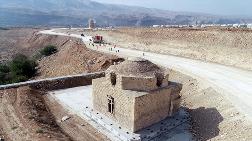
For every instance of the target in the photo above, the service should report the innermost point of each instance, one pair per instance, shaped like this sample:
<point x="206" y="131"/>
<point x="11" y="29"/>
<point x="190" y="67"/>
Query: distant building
<point x="235" y="25"/>
<point x="91" y="23"/>
<point x="155" y="26"/>
<point x="249" y="26"/>
<point x="136" y="94"/>
<point x="242" y="26"/>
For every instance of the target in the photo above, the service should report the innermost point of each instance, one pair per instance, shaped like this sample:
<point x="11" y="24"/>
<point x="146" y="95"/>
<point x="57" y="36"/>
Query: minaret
<point x="91" y="23"/>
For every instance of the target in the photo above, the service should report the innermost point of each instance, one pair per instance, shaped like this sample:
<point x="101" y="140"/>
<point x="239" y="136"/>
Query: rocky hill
<point x="77" y="12"/>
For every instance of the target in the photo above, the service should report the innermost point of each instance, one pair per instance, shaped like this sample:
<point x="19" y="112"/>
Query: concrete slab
<point x="76" y="98"/>
<point x="79" y="101"/>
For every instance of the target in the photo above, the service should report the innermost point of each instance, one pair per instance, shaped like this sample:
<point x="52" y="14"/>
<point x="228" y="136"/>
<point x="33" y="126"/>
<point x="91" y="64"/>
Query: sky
<point x="217" y="7"/>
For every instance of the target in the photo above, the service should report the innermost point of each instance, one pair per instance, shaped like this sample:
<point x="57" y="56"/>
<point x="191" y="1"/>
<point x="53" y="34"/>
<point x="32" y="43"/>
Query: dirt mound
<point x="74" y="58"/>
<point x="25" y="116"/>
<point x="214" y="118"/>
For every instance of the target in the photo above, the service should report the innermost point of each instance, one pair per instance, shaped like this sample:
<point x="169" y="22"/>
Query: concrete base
<point x="78" y="100"/>
<point x="172" y="127"/>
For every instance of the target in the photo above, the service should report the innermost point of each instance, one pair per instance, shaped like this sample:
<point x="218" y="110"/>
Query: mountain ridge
<point x="77" y="12"/>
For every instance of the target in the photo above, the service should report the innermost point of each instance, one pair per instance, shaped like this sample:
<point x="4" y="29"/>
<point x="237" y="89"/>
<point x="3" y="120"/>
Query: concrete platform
<point x="79" y="101"/>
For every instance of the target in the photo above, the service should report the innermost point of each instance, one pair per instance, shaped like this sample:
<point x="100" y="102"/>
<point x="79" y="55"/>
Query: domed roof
<point x="136" y="67"/>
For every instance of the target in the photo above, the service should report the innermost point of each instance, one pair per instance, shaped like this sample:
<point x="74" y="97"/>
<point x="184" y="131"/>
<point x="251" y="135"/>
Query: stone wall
<point x="143" y="83"/>
<point x="134" y="110"/>
<point x="139" y="84"/>
<point x="58" y="83"/>
<point x="124" y="102"/>
<point x="152" y="108"/>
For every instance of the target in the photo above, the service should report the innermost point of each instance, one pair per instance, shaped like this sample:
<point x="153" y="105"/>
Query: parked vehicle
<point x="98" y="39"/>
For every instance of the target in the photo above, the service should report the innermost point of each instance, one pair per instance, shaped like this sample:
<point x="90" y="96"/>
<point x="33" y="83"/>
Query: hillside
<point x="77" y="12"/>
<point x="224" y="46"/>
<point x="72" y="56"/>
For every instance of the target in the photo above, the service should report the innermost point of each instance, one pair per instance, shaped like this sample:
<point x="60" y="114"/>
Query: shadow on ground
<point x="206" y="122"/>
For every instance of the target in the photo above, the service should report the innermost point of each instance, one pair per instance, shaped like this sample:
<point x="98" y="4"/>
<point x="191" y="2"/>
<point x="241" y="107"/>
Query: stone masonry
<point x="136" y="94"/>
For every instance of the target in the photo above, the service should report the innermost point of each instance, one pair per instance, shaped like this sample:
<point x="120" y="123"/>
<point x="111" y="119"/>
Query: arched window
<point x="113" y="78"/>
<point x="111" y="104"/>
<point x="160" y="79"/>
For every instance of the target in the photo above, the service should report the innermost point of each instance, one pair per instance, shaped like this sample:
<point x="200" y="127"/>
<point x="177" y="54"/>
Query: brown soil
<point x="25" y="117"/>
<point x="213" y="116"/>
<point x="14" y="41"/>
<point x="76" y="127"/>
<point x="225" y="46"/>
<point x="74" y="58"/>
<point x="26" y="41"/>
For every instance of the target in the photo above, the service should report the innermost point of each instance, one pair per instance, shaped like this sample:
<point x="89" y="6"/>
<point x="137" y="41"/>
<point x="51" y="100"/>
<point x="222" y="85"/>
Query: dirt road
<point x="232" y="47"/>
<point x="235" y="84"/>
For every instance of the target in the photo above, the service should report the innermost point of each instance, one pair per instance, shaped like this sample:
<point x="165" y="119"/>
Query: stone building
<point x="91" y="23"/>
<point x="136" y="94"/>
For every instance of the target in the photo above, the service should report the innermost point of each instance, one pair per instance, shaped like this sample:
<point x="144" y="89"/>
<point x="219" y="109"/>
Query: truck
<point x="98" y="39"/>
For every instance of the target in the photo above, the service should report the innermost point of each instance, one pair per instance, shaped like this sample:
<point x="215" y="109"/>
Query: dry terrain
<point x="72" y="56"/>
<point x="15" y="41"/>
<point x="213" y="116"/>
<point x="224" y="46"/>
<point x="31" y="115"/>
<point x="24" y="116"/>
<point x="24" y="112"/>
<point x="76" y="127"/>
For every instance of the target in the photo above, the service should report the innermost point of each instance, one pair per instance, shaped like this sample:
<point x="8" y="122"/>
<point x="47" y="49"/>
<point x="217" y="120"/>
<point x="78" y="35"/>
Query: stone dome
<point x="136" y="67"/>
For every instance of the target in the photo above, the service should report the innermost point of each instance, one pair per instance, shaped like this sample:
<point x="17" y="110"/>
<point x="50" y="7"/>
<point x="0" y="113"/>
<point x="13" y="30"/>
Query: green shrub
<point x="18" y="78"/>
<point x="39" y="131"/>
<point x="2" y="78"/>
<point x="4" y="68"/>
<point x="3" y="28"/>
<point x="48" y="50"/>
<point x="13" y="128"/>
<point x="37" y="56"/>
<point x="20" y="69"/>
<point x="22" y="66"/>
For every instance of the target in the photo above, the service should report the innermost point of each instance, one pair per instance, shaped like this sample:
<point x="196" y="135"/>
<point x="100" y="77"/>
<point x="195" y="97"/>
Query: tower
<point x="91" y="23"/>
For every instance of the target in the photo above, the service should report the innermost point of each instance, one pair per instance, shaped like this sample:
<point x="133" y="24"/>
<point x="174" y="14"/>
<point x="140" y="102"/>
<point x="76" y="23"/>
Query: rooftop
<point x="136" y="67"/>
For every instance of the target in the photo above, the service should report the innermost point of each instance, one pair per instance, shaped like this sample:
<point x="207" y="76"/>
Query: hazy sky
<point x="220" y="7"/>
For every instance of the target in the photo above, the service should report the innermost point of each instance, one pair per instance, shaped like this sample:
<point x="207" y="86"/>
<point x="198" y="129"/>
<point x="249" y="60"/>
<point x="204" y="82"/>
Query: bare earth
<point x="213" y="97"/>
<point x="76" y="127"/>
<point x="14" y="41"/>
<point x="214" y="116"/>
<point x="25" y="117"/>
<point x="224" y="46"/>
<point x="72" y="58"/>
<point x="17" y="122"/>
